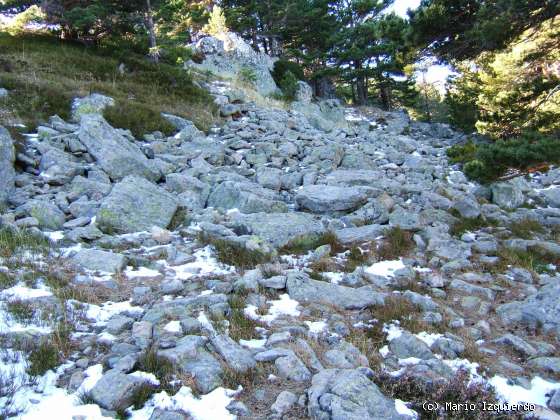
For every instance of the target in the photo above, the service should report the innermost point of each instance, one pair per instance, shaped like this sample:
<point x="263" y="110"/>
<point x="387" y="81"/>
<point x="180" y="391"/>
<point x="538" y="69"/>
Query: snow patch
<point x="385" y="268"/>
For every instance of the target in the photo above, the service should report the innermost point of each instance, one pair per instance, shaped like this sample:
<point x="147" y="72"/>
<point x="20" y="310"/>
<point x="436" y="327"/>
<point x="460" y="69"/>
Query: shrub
<point x="43" y="358"/>
<point x="488" y="162"/>
<point x="138" y="118"/>
<point x="288" y="85"/>
<point x="247" y="75"/>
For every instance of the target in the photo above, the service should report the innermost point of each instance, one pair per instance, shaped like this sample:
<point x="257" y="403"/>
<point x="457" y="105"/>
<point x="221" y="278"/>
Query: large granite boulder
<point x="114" y="153"/>
<point x="247" y="198"/>
<point x="329" y="199"/>
<point x="7" y="172"/>
<point x="135" y="205"/>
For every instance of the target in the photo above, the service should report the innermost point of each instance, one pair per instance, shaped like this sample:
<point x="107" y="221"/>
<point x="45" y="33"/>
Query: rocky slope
<point x="318" y="264"/>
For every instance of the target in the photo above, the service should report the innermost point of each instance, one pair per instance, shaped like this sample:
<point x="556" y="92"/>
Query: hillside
<point x="177" y="244"/>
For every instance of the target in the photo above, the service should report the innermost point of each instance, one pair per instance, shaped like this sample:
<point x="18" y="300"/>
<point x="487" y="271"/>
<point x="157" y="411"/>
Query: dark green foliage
<point x="141" y="395"/>
<point x="526" y="228"/>
<point x="282" y="67"/>
<point x="43" y="358"/>
<point x="138" y="118"/>
<point x="462" y="29"/>
<point x="288" y="85"/>
<point x="488" y="162"/>
<point x="6" y="280"/>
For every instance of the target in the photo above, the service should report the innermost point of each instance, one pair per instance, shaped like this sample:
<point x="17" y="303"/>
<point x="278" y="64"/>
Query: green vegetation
<point x="12" y="241"/>
<point x="396" y="243"/>
<point x="44" y="74"/>
<point x="20" y="310"/>
<point x="303" y="244"/>
<point x="43" y="358"/>
<point x="470" y="224"/>
<point x="488" y="162"/>
<point x="236" y="254"/>
<point x="526" y="228"/>
<point x="240" y="326"/>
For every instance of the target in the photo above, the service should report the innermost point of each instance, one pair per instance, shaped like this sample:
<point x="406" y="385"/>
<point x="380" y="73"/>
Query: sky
<point x="436" y="73"/>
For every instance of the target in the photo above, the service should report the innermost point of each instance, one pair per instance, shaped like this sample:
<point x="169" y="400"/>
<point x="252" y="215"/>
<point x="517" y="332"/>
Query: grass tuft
<point x="526" y="228"/>
<point x="241" y="327"/>
<point x="397" y="243"/>
<point x="43" y="358"/>
<point x="304" y="244"/>
<point x="235" y="254"/>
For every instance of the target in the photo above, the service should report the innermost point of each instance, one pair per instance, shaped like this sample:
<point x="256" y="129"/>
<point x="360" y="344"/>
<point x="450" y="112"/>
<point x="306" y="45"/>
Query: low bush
<point x="140" y="119"/>
<point x="43" y="358"/>
<point x="396" y="243"/>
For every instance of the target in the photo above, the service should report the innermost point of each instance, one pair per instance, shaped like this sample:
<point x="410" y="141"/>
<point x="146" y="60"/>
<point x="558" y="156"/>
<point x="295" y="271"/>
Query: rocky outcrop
<point x="7" y="158"/>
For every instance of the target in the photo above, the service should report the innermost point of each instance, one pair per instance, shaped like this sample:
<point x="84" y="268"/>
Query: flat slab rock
<point x="278" y="228"/>
<point x="115" y="390"/>
<point x="304" y="289"/>
<point x="330" y="199"/>
<point x="97" y="260"/>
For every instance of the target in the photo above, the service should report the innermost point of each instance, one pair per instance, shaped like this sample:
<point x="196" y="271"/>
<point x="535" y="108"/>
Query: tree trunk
<point x="154" y="53"/>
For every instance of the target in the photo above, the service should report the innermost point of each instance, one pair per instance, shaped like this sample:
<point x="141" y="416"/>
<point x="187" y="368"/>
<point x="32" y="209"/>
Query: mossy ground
<point x="43" y="74"/>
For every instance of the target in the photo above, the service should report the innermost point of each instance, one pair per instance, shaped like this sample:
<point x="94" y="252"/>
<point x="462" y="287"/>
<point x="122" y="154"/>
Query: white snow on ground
<point x="141" y="273"/>
<point x="393" y="331"/>
<point x="402" y="409"/>
<point x="205" y="263"/>
<point x="20" y="291"/>
<point x="316" y="327"/>
<point x="55" y="236"/>
<point x="335" y="278"/>
<point x="428" y="338"/>
<point x="516" y="394"/>
<point x="9" y="325"/>
<point x="205" y="322"/>
<point x="211" y="406"/>
<point x="385" y="268"/>
<point x="282" y="307"/>
<point x="147" y="377"/>
<point x="254" y="343"/>
<point x="384" y="351"/>
<point x="173" y="327"/>
<point x="38" y="401"/>
<point x="101" y="314"/>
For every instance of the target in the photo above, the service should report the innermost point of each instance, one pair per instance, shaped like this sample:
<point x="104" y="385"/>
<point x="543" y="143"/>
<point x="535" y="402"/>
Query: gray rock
<point x="408" y="345"/>
<point x="159" y="414"/>
<point x="119" y="323"/>
<point x="7" y="158"/>
<point x="359" y="234"/>
<point x="467" y="208"/>
<point x="304" y="92"/>
<point x="47" y="213"/>
<point x="115" y="390"/>
<point x="341" y="394"/>
<point x="91" y="104"/>
<point x="114" y="153"/>
<point x="471" y="289"/>
<point x="237" y="357"/>
<point x="292" y="368"/>
<point x="97" y="260"/>
<point x="304" y="289"/>
<point x="278" y="228"/>
<point x="507" y="195"/>
<point x="517" y="344"/>
<point x="269" y="178"/>
<point x="552" y="197"/>
<point x="247" y="198"/>
<point x="190" y="356"/>
<point x="136" y="205"/>
<point x="275" y="282"/>
<point x="329" y="199"/>
<point x="284" y="402"/>
<point x="549" y="365"/>
<point x="540" y="310"/>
